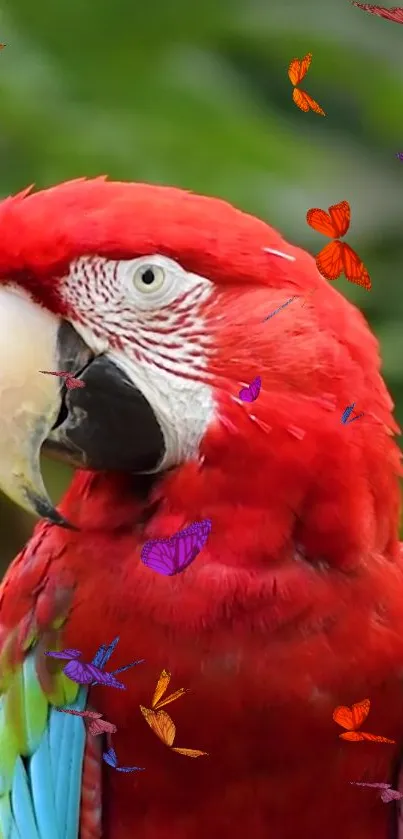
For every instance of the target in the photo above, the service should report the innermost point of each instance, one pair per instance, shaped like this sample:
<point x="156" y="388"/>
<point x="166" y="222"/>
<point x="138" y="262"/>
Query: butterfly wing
<point x="68" y="653"/>
<point x="77" y="671"/>
<point x="376" y="786"/>
<point x="353" y="736"/>
<point x="341" y="216"/>
<point x="395" y="14"/>
<point x="102" y="678"/>
<point x="329" y="261"/>
<point x="189" y="752"/>
<point x="161" y="724"/>
<point x="246" y="394"/>
<point x="255" y="386"/>
<point x="110" y="757"/>
<point x="321" y="221"/>
<point x="354" y="268"/>
<point x="161" y="687"/>
<point x="129" y="768"/>
<point x="375" y="738"/>
<point x="100" y="726"/>
<point x="305" y="102"/>
<point x="360" y="711"/>
<point x="158" y="554"/>
<point x="188" y="543"/>
<point x="390" y="795"/>
<point x="343" y="716"/>
<point x="298" y="69"/>
<point x="170" y="698"/>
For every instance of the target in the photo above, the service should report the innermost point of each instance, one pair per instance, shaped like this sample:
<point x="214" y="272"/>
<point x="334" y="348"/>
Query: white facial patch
<point x="146" y="315"/>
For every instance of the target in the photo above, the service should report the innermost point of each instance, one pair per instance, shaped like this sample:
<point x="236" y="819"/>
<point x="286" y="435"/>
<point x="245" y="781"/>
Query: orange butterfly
<point x="337" y="257"/>
<point x="352" y="718"/>
<point x="162" y="684"/>
<point x="164" y="727"/>
<point x="296" y="71"/>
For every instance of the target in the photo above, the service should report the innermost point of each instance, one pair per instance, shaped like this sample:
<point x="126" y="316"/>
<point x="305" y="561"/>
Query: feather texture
<point x="41" y="750"/>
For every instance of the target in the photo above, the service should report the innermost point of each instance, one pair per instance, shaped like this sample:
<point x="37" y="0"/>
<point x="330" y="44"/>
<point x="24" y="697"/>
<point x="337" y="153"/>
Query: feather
<point x="41" y="750"/>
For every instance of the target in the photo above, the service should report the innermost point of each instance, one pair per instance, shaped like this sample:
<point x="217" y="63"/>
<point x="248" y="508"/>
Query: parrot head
<point x="156" y="299"/>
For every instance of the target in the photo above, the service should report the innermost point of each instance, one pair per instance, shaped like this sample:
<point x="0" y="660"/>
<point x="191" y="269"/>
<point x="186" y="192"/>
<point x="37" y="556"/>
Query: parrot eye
<point x="149" y="278"/>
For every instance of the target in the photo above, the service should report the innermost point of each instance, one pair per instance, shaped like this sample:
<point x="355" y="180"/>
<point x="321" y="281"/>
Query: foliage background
<point x="197" y="95"/>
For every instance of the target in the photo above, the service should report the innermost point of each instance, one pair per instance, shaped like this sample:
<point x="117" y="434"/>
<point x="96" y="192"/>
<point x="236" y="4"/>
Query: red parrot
<point x="156" y="299"/>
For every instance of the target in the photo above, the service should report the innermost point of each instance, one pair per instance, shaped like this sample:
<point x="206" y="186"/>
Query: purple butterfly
<point x="250" y="393"/>
<point x="110" y="758"/>
<point x="387" y="793"/>
<point x="171" y="556"/>
<point x="93" y="673"/>
<point x="399" y="154"/>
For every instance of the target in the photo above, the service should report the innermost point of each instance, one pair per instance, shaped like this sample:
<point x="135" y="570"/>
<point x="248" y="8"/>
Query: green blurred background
<point x="197" y="95"/>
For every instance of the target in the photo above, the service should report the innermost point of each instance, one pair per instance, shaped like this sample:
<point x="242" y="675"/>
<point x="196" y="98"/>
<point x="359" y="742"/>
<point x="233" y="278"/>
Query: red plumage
<point x="295" y="604"/>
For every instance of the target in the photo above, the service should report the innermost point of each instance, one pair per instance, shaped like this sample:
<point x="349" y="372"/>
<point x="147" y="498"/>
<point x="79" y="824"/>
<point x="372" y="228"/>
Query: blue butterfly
<point x="110" y="758"/>
<point x="346" y="413"/>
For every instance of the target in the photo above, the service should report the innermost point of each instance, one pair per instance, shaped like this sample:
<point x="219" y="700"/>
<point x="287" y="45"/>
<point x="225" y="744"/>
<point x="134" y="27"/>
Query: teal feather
<point x="41" y="756"/>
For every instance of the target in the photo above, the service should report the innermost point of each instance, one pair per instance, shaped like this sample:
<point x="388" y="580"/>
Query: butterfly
<point x="387" y="793"/>
<point x="287" y="303"/>
<point x="162" y="684"/>
<point x="111" y="758"/>
<point x="70" y="381"/>
<point x="395" y="13"/>
<point x="92" y="674"/>
<point x="399" y="154"/>
<point x="172" y="555"/>
<point x="164" y="727"/>
<point x="337" y="257"/>
<point x="296" y="71"/>
<point x="346" y="413"/>
<point x="352" y="718"/>
<point x="251" y="392"/>
<point x="96" y="724"/>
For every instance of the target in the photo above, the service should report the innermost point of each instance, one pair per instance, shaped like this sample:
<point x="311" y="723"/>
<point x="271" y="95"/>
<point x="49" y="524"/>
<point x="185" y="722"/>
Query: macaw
<point x="156" y="299"/>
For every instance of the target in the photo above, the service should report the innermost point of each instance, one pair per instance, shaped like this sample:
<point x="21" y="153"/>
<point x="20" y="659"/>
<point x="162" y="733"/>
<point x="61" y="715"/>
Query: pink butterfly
<point x="171" y="556"/>
<point x="387" y="793"/>
<point x="395" y="13"/>
<point x="251" y="392"/>
<point x="96" y="724"/>
<point x="70" y="381"/>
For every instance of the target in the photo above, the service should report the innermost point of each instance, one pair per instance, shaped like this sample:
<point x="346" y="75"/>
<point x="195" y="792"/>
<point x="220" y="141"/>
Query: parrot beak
<point x="106" y="424"/>
<point x="29" y="401"/>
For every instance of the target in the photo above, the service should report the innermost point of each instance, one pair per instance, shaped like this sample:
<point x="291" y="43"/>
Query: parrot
<point x="155" y="298"/>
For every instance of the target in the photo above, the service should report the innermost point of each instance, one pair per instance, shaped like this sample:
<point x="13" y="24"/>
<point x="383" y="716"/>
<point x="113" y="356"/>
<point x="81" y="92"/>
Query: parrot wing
<point x="42" y="752"/>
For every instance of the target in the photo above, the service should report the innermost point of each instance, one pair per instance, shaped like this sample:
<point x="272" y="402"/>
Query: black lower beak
<point x="108" y="424"/>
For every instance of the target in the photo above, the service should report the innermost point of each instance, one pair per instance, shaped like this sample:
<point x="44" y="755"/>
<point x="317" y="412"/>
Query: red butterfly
<point x="70" y="381"/>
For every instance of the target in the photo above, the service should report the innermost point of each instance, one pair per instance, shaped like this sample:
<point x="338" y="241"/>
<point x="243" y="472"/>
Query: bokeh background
<point x="196" y="94"/>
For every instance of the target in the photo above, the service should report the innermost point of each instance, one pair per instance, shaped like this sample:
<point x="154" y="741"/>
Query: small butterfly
<point x="346" y="413"/>
<point x="111" y="758"/>
<point x="85" y="674"/>
<point x="287" y="303"/>
<point x="352" y="718"/>
<point x="399" y="154"/>
<point x="162" y="684"/>
<point x="92" y="673"/>
<point x="164" y="727"/>
<point x="296" y="71"/>
<point x="387" y="793"/>
<point x="96" y="724"/>
<point x="337" y="257"/>
<point x="395" y="13"/>
<point x="70" y="381"/>
<point x="251" y="392"/>
<point x="172" y="555"/>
